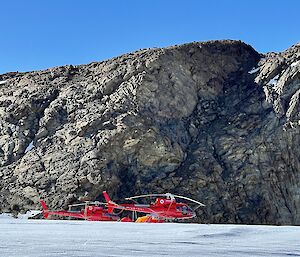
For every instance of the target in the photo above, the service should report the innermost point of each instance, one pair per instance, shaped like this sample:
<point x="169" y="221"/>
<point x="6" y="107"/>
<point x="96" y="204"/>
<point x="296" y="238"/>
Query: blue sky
<point x="38" y="34"/>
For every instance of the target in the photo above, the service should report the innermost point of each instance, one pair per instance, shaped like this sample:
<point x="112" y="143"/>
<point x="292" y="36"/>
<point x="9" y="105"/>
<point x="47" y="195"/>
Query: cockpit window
<point x="184" y="210"/>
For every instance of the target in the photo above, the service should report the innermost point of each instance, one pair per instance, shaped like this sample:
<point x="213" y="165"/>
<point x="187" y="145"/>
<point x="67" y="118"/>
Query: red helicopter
<point x="165" y="208"/>
<point x="92" y="211"/>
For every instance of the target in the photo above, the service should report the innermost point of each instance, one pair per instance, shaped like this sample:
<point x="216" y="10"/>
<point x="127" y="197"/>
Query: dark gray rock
<point x="190" y="119"/>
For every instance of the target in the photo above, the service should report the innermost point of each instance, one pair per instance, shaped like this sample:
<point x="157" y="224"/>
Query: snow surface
<point x="35" y="238"/>
<point x="3" y="82"/>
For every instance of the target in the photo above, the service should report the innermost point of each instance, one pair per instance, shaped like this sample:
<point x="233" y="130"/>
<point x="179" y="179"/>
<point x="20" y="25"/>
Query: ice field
<point x="35" y="238"/>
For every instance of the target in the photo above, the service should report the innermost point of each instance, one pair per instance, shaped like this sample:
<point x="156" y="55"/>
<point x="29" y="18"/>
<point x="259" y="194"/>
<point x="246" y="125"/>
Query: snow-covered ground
<point x="35" y="238"/>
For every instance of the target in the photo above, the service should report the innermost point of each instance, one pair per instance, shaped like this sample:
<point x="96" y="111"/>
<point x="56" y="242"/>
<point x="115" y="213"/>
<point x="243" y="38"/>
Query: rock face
<point x="194" y="119"/>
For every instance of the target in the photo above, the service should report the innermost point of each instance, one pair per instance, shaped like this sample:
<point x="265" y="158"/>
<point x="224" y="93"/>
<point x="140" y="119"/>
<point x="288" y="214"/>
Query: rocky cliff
<point x="215" y="121"/>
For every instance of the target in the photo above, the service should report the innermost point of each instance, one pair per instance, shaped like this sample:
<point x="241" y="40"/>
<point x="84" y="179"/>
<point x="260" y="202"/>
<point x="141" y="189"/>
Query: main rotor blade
<point x="88" y="203"/>
<point x="97" y="203"/>
<point x="189" y="199"/>
<point x="165" y="195"/>
<point x="76" y="204"/>
<point x="141" y="196"/>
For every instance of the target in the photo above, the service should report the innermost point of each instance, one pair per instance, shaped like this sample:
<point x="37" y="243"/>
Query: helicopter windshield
<point x="184" y="209"/>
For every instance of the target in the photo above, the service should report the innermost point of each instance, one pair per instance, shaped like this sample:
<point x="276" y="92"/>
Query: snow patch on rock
<point x="253" y="70"/>
<point x="26" y="216"/>
<point x="295" y="63"/>
<point x="273" y="81"/>
<point x="29" y="147"/>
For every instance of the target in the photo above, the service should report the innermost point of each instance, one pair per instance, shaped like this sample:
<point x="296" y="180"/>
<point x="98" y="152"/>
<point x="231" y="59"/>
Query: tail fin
<point x="107" y="199"/>
<point x="45" y="209"/>
<point x="110" y="203"/>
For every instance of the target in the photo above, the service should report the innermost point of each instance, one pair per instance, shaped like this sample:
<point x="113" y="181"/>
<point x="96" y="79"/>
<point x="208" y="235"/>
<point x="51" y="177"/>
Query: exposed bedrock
<point x="215" y="121"/>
